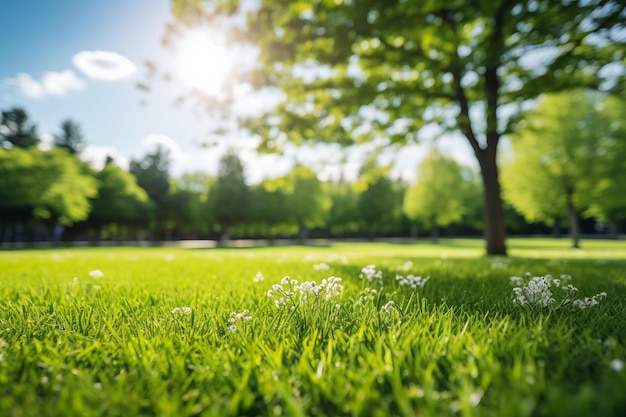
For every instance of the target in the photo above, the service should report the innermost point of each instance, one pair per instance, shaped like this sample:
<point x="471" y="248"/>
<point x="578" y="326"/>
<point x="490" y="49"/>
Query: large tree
<point x="361" y="70"/>
<point x="566" y="159"/>
<point x="50" y="185"/>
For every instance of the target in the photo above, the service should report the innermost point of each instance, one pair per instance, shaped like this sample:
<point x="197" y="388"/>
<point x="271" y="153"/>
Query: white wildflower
<point x="96" y="273"/>
<point x="291" y="291"/>
<point x="181" y="310"/>
<point x="258" y="277"/>
<point x="321" y="267"/>
<point x="237" y="317"/>
<point x="391" y="314"/>
<point x="589" y="302"/>
<point x="232" y="328"/>
<point x="367" y="294"/>
<point x="412" y="281"/>
<point x="371" y="274"/>
<point x="617" y="365"/>
<point x="387" y="308"/>
<point x="405" y="267"/>
<point x="536" y="293"/>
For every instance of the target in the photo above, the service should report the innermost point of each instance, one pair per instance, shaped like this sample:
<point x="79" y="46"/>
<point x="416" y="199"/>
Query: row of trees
<point x="566" y="163"/>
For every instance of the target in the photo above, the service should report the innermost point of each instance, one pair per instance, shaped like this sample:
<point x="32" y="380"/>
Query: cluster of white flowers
<point x="538" y="292"/>
<point x="405" y="267"/>
<point x="328" y="289"/>
<point x="321" y="267"/>
<point x="412" y="281"/>
<point x="388" y="307"/>
<point x="284" y="292"/>
<point x="258" y="277"/>
<point x="236" y="317"/>
<point x="96" y="273"/>
<point x="370" y="273"/>
<point x="366" y="295"/>
<point x="291" y="291"/>
<point x="590" y="301"/>
<point x="181" y="310"/>
<point x="390" y="314"/>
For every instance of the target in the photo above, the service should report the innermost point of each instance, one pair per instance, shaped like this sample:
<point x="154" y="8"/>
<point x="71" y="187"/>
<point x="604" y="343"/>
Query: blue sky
<point x="82" y="60"/>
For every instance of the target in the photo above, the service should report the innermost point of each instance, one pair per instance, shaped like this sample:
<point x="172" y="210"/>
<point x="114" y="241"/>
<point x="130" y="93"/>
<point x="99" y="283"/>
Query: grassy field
<point x="184" y="332"/>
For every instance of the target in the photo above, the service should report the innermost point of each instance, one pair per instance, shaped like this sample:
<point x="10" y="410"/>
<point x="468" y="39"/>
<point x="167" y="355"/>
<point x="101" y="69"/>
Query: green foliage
<point x="344" y="212"/>
<point x="440" y="195"/>
<point x="49" y="184"/>
<point x="566" y="156"/>
<point x="608" y="200"/>
<point x="230" y="196"/>
<point x="16" y="130"/>
<point x="379" y="204"/>
<point x="117" y="345"/>
<point x="269" y="208"/>
<point x="120" y="200"/>
<point x="67" y="197"/>
<point x="152" y="173"/>
<point x="306" y="201"/>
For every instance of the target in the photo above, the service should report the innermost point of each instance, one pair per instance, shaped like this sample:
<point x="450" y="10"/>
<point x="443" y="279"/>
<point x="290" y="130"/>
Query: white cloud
<point x="28" y="86"/>
<point x="59" y="83"/>
<point x="153" y="140"/>
<point x="47" y="141"/>
<point x="104" y="65"/>
<point x="96" y="155"/>
<point x="52" y="83"/>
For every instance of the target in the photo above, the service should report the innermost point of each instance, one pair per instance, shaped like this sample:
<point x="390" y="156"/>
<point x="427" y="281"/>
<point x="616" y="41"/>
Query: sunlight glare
<point x="204" y="63"/>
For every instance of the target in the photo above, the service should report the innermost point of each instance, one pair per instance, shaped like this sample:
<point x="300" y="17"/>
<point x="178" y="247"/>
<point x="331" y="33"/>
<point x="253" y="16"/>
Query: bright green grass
<point x="72" y="345"/>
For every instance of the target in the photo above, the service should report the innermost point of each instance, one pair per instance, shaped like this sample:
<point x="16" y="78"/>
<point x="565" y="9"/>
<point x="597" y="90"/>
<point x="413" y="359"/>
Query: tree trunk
<point x="495" y="227"/>
<point x="434" y="230"/>
<point x="574" y="227"/>
<point x="225" y="236"/>
<point x="613" y="229"/>
<point x="556" y="229"/>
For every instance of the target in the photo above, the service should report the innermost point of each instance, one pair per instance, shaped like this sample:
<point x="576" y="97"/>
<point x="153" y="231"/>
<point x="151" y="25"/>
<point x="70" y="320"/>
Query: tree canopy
<point x="566" y="159"/>
<point x="354" y="71"/>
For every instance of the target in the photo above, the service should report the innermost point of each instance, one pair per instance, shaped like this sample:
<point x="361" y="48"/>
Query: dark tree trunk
<point x="574" y="226"/>
<point x="556" y="230"/>
<point x="613" y="229"/>
<point x="495" y="227"/>
<point x="434" y="230"/>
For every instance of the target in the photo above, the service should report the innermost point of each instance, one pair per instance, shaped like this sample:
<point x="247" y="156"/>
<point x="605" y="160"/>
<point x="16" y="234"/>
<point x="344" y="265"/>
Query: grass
<point x="71" y="344"/>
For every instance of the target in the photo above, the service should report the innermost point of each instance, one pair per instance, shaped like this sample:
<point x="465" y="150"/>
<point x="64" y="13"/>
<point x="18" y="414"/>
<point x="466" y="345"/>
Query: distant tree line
<point x="566" y="170"/>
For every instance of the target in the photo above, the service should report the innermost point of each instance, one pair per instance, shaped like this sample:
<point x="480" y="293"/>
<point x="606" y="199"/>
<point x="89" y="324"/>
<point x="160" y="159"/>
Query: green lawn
<point x="125" y="344"/>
